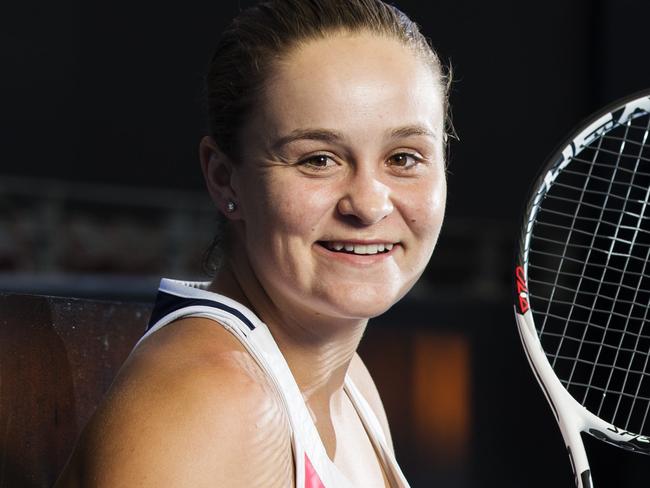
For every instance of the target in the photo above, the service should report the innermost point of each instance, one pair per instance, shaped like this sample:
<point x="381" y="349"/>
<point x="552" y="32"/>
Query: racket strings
<point x="609" y="252"/>
<point x="627" y="322"/>
<point x="618" y="289"/>
<point x="591" y="324"/>
<point x="625" y="349"/>
<point x="549" y="224"/>
<point x="588" y="277"/>
<point x="597" y="192"/>
<point x="647" y="355"/>
<point x="625" y="201"/>
<point x="562" y="258"/>
<point x="582" y="218"/>
<point x="578" y="159"/>
<point x="619" y="348"/>
<point x="568" y="171"/>
<point x="583" y="246"/>
<point x="565" y="242"/>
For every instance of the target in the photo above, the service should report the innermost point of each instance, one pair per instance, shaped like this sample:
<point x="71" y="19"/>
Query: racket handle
<point x="577" y="455"/>
<point x="579" y="463"/>
<point x="585" y="480"/>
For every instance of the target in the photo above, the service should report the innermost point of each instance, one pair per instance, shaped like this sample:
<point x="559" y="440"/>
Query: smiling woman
<point x="326" y="161"/>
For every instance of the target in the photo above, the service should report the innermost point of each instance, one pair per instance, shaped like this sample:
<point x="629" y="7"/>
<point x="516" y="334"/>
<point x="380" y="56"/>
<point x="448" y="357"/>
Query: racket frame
<point x="571" y="416"/>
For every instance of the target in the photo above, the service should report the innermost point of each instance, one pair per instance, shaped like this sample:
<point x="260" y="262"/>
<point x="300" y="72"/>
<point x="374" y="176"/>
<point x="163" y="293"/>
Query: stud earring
<point x="230" y="206"/>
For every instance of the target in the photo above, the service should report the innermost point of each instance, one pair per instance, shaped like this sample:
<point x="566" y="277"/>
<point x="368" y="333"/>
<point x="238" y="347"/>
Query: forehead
<point x="345" y="80"/>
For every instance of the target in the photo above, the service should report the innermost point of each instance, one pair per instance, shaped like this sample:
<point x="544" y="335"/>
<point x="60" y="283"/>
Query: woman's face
<point x="341" y="188"/>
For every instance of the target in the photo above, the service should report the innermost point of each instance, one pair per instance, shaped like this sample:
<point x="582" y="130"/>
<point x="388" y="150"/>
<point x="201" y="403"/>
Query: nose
<point x="366" y="198"/>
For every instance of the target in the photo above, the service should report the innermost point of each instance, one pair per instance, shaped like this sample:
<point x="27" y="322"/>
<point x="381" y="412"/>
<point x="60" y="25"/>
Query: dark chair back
<point x="58" y="357"/>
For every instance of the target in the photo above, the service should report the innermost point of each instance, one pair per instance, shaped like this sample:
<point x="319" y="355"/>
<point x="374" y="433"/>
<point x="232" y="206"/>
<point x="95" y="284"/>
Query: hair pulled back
<point x="263" y="35"/>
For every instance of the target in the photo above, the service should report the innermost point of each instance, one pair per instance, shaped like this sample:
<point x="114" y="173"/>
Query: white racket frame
<point x="571" y="416"/>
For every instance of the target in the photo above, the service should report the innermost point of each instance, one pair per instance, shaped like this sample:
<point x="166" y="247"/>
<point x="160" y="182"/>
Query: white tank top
<point x="314" y="469"/>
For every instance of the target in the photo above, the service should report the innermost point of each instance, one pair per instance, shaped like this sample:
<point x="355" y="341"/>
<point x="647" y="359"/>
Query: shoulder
<point x="190" y="405"/>
<point x="364" y="382"/>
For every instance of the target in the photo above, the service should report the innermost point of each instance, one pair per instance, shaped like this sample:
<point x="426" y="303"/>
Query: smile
<point x="359" y="249"/>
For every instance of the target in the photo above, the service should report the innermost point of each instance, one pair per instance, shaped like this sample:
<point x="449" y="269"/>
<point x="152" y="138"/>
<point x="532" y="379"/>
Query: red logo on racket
<point x="522" y="289"/>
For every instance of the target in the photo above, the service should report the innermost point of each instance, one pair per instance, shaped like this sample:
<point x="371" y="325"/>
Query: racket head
<point x="582" y="276"/>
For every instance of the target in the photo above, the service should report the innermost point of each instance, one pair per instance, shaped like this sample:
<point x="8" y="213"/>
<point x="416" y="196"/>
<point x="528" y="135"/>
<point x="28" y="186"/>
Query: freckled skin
<point x="362" y="95"/>
<point x="189" y="402"/>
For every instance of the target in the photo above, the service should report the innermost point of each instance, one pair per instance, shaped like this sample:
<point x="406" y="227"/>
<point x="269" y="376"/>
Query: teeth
<point x="359" y="248"/>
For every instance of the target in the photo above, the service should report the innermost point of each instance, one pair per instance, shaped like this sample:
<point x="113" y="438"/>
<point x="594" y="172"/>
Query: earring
<point x="230" y="206"/>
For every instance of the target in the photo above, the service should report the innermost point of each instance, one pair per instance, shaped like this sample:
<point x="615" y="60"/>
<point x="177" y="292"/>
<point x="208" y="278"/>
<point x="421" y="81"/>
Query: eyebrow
<point x="411" y="130"/>
<point x="327" y="135"/>
<point x="324" y="135"/>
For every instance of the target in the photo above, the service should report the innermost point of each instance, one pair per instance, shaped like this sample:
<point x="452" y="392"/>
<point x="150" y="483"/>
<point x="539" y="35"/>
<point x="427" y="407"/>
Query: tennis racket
<point x="582" y="282"/>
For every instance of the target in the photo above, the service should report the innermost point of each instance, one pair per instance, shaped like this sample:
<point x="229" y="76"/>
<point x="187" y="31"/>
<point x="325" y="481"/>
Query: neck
<point x="318" y="349"/>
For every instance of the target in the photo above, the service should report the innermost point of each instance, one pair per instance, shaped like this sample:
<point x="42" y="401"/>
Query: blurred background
<point x="101" y="194"/>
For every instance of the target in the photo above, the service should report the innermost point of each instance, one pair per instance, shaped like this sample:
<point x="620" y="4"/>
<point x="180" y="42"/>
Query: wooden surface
<point x="58" y="357"/>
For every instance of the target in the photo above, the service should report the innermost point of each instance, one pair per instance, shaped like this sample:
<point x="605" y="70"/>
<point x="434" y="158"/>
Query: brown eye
<point x="320" y="161"/>
<point x="317" y="162"/>
<point x="404" y="160"/>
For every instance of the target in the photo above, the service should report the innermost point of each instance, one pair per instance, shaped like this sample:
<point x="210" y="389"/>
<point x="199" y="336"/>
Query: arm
<point x="185" y="423"/>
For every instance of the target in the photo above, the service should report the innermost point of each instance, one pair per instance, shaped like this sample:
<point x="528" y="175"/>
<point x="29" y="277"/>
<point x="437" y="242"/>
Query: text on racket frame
<point x="522" y="289"/>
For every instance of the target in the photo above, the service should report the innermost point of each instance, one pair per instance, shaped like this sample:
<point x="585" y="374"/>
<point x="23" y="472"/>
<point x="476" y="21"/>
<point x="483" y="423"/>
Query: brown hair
<point x="265" y="33"/>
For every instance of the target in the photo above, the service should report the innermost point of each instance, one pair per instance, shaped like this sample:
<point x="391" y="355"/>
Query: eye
<point x="404" y="160"/>
<point x="317" y="162"/>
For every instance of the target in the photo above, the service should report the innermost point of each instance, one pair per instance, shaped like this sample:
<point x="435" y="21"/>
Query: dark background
<point x="110" y="93"/>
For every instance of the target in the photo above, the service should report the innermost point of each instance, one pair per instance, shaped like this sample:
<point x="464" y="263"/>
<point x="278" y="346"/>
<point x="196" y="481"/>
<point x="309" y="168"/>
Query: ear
<point x="217" y="172"/>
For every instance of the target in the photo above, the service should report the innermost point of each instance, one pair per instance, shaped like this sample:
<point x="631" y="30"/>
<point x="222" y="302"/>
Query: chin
<point x="361" y="303"/>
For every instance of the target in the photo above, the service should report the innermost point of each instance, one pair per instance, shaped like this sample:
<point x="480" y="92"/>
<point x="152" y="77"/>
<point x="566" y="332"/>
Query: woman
<point x="326" y="160"/>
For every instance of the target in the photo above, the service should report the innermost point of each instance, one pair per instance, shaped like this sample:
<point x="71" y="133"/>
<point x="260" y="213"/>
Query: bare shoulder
<point x="189" y="408"/>
<point x="364" y="382"/>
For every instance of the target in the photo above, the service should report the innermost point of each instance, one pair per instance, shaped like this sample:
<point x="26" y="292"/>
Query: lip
<point x="356" y="259"/>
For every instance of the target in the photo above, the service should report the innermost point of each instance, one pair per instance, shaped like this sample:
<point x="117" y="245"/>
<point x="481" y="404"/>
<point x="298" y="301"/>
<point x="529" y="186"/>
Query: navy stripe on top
<point x="167" y="303"/>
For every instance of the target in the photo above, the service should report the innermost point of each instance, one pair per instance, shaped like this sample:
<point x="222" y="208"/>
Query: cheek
<point x="426" y="208"/>
<point x="291" y="207"/>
